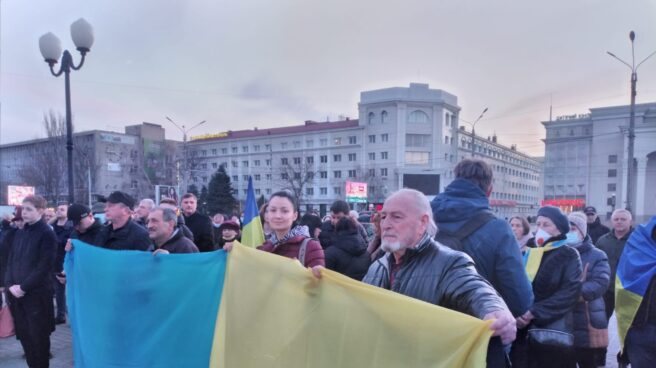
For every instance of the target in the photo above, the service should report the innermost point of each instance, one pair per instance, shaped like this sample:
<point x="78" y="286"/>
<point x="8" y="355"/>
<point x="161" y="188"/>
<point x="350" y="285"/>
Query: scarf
<point x="533" y="257"/>
<point x="293" y="232"/>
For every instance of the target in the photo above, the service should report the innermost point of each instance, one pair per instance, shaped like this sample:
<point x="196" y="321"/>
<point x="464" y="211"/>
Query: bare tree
<point x="296" y="177"/>
<point x="375" y="184"/>
<point x="46" y="166"/>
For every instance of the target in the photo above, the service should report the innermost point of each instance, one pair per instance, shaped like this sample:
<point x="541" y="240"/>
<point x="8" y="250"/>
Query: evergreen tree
<point x="220" y="193"/>
<point x="202" y="201"/>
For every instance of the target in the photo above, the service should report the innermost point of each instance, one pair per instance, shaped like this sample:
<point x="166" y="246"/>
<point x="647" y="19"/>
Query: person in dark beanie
<point x="122" y="233"/>
<point x="200" y="226"/>
<point x="595" y="229"/>
<point x="554" y="269"/>
<point x="28" y="280"/>
<point x="230" y="231"/>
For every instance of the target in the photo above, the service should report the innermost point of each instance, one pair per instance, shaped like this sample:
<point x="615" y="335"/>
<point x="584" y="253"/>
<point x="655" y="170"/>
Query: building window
<point x="258" y="177"/>
<point x="612" y="159"/>
<point x="353" y="139"/>
<point x="283" y="145"/>
<point x="284" y="161"/>
<point x="204" y="152"/>
<point x="383" y="171"/>
<point x="235" y="178"/>
<point x="383" y="117"/>
<point x="267" y="147"/>
<point x="235" y="149"/>
<point x="323" y="191"/>
<point x="234" y="163"/>
<point x="244" y="163"/>
<point x="384" y="137"/>
<point x="372" y="156"/>
<point x="351" y="156"/>
<point x="256" y="148"/>
<point x="384" y="155"/>
<point x="256" y="163"/>
<point x="612" y="187"/>
<point x="284" y="176"/>
<point x="337" y="158"/>
<point x="257" y="191"/>
<point x="297" y="144"/>
<point x="372" y="172"/>
<point x="371" y="117"/>
<point x="416" y="158"/>
<point x="297" y="175"/>
<point x="323" y="142"/>
<point x="309" y="191"/>
<point x="268" y="161"/>
<point x="215" y="165"/>
<point x="323" y="174"/>
<point x="372" y="139"/>
<point x="612" y="173"/>
<point x="447" y="119"/>
<point x="418" y="116"/>
<point x="134" y="184"/>
<point x="268" y="176"/>
<point x="224" y="151"/>
<point x="297" y="160"/>
<point x="214" y="151"/>
<point x="446" y="139"/>
<point x="244" y="149"/>
<point x="309" y="143"/>
<point x="245" y="177"/>
<point x="337" y="190"/>
<point x="351" y="173"/>
<point x="337" y="141"/>
<point x="310" y="159"/>
<point x="417" y="140"/>
<point x="323" y="159"/>
<point x="337" y="174"/>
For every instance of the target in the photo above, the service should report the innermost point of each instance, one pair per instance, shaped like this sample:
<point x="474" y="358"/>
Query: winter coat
<point x="596" y="282"/>
<point x="348" y="255"/>
<point x="596" y="230"/>
<point x="178" y="243"/>
<point x="6" y="240"/>
<point x="91" y="235"/>
<point x="327" y="235"/>
<point x="201" y="227"/>
<point x="129" y="237"/>
<point x="62" y="234"/>
<point x="290" y="248"/>
<point x="32" y="258"/>
<point x="437" y="275"/>
<point x="557" y="286"/>
<point x="613" y="248"/>
<point x="493" y="246"/>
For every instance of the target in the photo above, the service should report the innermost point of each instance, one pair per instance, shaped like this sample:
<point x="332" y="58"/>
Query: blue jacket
<point x="493" y="247"/>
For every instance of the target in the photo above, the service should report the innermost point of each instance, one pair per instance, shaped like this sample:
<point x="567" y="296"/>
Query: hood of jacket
<point x="350" y="242"/>
<point x="460" y="200"/>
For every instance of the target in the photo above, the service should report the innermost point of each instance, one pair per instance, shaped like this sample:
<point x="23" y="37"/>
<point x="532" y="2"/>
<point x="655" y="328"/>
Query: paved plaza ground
<point x="11" y="352"/>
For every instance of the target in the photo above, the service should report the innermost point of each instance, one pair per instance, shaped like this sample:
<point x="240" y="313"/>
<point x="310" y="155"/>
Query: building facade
<point x="586" y="160"/>
<point x="134" y="162"/>
<point x="404" y="137"/>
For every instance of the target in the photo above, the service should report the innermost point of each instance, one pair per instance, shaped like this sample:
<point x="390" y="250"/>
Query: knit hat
<point x="229" y="225"/>
<point x="556" y="216"/>
<point x="579" y="220"/>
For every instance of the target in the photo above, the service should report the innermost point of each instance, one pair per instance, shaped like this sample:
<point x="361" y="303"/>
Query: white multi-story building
<point x="404" y="137"/>
<point x="586" y="160"/>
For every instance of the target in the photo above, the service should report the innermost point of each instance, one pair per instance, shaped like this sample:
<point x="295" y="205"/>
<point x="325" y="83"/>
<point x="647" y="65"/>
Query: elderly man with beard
<point x="417" y="266"/>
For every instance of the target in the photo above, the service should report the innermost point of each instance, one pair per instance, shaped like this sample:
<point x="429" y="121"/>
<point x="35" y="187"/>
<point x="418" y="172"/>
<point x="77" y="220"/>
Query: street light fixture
<point x="184" y="131"/>
<point x="634" y="80"/>
<point x="474" y="130"/>
<point x="51" y="50"/>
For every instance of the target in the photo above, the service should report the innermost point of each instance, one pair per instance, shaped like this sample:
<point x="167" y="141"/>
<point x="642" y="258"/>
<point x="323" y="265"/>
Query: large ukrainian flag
<point x="251" y="309"/>
<point x="637" y="266"/>
<point x="252" y="234"/>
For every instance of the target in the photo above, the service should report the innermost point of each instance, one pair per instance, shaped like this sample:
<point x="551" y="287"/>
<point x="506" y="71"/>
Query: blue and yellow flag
<point x="251" y="309"/>
<point x="252" y="234"/>
<point x="636" y="268"/>
<point x="533" y="257"/>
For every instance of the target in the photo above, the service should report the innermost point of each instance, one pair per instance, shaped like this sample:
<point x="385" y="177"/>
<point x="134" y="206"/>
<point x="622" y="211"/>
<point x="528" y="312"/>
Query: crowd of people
<point x="550" y="293"/>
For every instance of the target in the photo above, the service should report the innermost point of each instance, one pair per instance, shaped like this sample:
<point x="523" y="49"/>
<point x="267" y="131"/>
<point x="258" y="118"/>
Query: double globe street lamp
<point x="51" y="50"/>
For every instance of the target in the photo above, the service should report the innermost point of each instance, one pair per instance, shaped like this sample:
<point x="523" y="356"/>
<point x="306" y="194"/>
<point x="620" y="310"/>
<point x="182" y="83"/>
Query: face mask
<point x="541" y="237"/>
<point x="573" y="238"/>
<point x="216" y="225"/>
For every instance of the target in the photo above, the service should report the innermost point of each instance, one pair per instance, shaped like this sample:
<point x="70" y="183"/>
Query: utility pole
<point x="185" y="163"/>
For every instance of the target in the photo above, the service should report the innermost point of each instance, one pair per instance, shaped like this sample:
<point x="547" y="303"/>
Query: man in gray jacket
<point x="420" y="268"/>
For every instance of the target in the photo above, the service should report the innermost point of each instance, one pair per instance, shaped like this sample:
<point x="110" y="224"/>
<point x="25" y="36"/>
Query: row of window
<point x="323" y="142"/>
<point x="351" y="157"/>
<point x="513" y="197"/>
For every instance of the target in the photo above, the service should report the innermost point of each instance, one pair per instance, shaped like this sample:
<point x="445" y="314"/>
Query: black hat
<point x="229" y="225"/>
<point x="76" y="212"/>
<point x="590" y="209"/>
<point x="556" y="216"/>
<point x="121" y="197"/>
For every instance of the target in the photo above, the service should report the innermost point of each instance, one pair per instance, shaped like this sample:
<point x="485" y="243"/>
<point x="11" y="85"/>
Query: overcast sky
<point x="247" y="63"/>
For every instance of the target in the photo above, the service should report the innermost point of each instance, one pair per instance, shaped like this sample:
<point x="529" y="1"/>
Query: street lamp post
<point x="474" y="130"/>
<point x="634" y="81"/>
<point x="51" y="50"/>
<point x="184" y="131"/>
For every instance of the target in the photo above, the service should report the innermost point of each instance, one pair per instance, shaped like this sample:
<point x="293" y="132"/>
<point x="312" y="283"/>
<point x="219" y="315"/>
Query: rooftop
<point x="308" y="126"/>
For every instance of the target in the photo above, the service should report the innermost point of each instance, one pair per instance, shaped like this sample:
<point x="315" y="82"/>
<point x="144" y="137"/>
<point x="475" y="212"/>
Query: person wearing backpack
<point x="466" y="223"/>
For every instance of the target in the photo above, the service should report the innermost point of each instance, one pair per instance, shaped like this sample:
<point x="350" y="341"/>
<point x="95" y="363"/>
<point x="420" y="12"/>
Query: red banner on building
<point x="574" y="202"/>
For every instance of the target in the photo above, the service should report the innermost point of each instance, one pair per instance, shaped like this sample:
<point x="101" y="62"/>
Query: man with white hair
<point x="417" y="266"/>
<point x="143" y="209"/>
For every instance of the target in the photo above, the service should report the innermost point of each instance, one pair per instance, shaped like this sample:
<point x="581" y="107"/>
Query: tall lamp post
<point x="184" y="131"/>
<point x="634" y="80"/>
<point x="51" y="50"/>
<point x="474" y="130"/>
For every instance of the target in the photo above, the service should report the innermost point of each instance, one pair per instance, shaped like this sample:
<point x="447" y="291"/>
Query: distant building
<point x="586" y="160"/>
<point x="133" y="162"/>
<point x="404" y="137"/>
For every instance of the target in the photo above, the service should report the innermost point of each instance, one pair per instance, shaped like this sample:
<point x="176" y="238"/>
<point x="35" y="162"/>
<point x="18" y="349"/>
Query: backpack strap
<point x="302" y="250"/>
<point x="475" y="223"/>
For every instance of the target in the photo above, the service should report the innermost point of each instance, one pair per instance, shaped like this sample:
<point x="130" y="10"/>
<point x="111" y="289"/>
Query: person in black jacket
<point x="338" y="210"/>
<point x="164" y="233"/>
<point x="200" y="226"/>
<point x="348" y="255"/>
<point x="171" y="204"/>
<point x="62" y="228"/>
<point x="28" y="279"/>
<point x="590" y="309"/>
<point x="85" y="227"/>
<point x="595" y="228"/>
<point x="10" y="225"/>
<point x="122" y="233"/>
<point x="556" y="288"/>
